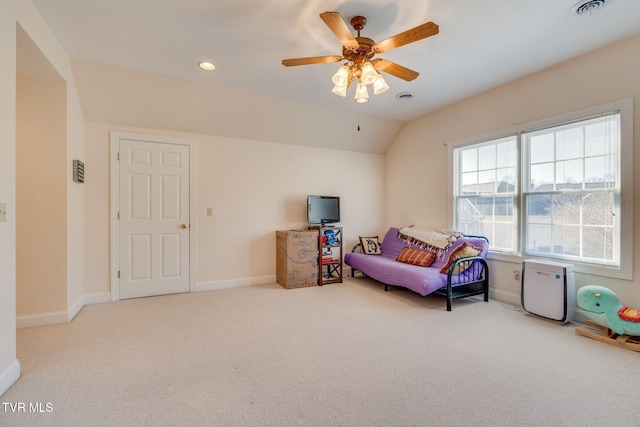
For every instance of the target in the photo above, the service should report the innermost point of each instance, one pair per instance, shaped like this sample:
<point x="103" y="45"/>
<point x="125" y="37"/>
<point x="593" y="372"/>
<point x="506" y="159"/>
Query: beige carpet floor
<point x="339" y="355"/>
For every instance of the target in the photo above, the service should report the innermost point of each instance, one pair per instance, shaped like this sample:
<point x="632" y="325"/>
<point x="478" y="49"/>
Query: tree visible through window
<point x="552" y="192"/>
<point x="571" y="177"/>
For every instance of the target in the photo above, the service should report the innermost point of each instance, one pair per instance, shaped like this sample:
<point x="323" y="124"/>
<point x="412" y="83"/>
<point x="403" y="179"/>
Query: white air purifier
<point x="549" y="290"/>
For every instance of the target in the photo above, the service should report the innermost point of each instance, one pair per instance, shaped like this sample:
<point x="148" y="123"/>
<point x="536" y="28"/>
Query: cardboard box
<point x="296" y="258"/>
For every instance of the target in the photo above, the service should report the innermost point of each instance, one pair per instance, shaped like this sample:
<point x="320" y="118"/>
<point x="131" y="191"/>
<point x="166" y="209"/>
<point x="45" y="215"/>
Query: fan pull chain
<point x="358" y="118"/>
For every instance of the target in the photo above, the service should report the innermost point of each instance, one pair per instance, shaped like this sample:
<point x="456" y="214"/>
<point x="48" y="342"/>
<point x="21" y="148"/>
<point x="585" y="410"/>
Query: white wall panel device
<point x="548" y="290"/>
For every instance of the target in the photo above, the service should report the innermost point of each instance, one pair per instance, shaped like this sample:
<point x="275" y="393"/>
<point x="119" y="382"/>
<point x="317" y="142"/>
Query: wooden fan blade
<point x="311" y="60"/>
<point x="418" y="33"/>
<point x="340" y="28"/>
<point x="394" y="69"/>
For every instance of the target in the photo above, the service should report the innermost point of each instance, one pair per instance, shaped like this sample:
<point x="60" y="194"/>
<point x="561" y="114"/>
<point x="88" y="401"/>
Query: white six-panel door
<point x="153" y="218"/>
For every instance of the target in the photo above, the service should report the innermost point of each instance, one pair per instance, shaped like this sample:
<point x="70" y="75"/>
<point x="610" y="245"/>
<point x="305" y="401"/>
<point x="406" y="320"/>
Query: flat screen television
<point x="323" y="209"/>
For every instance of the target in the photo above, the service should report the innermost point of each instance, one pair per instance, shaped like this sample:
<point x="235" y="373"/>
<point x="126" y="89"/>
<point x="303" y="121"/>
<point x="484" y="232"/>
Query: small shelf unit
<point x="329" y="254"/>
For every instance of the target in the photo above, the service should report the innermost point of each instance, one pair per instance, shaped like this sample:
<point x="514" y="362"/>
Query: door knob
<point x="184" y="226"/>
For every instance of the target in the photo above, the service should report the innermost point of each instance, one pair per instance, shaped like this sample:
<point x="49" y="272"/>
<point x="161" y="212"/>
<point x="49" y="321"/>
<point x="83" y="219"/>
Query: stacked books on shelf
<point x="328" y="258"/>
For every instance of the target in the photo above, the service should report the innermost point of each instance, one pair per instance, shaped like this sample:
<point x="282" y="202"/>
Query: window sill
<point x="582" y="268"/>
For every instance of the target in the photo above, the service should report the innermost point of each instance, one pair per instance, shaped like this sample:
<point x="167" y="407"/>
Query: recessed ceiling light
<point x="207" y="66"/>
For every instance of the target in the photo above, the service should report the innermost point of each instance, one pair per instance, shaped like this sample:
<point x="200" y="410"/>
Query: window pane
<point x="598" y="243"/>
<point x="468" y="217"/>
<point x="469" y="183"/>
<point x="469" y="160"/>
<point x="542" y="175"/>
<point x="566" y="209"/>
<point x="487" y="182"/>
<point x="506" y="180"/>
<point x="538" y="238"/>
<point x="569" y="174"/>
<point x="485" y="207"/>
<point x="566" y="240"/>
<point x="569" y="144"/>
<point x="594" y="136"/>
<point x="503" y="209"/>
<point x="541" y="148"/>
<point x="506" y="154"/>
<point x="539" y="209"/>
<point x="600" y="171"/>
<point x="503" y="236"/>
<point x="487" y="157"/>
<point x="486" y="216"/>
<point x="571" y="225"/>
<point x="598" y="209"/>
<point x="595" y="169"/>
<point x="602" y="135"/>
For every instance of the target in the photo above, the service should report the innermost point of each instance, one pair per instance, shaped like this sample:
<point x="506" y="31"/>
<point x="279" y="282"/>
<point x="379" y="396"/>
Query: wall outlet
<point x="516" y="275"/>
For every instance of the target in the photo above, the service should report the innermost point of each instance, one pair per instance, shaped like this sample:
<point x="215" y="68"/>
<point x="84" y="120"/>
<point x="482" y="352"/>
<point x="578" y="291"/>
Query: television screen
<point x="323" y="209"/>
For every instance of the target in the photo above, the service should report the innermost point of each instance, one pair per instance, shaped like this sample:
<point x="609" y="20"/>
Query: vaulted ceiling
<point x="481" y="44"/>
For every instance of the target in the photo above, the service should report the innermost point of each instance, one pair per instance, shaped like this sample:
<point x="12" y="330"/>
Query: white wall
<point x="41" y="196"/>
<point x="417" y="164"/>
<point x="254" y="189"/>
<point x="9" y="367"/>
<point x="22" y="12"/>
<point x="257" y="160"/>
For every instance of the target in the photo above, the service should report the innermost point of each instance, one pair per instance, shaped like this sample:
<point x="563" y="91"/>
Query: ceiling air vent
<point x="404" y="96"/>
<point x="587" y="7"/>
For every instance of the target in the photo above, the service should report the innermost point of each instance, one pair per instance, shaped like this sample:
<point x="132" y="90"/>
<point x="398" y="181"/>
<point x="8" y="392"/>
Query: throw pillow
<point x="370" y="245"/>
<point x="463" y="251"/>
<point x="416" y="257"/>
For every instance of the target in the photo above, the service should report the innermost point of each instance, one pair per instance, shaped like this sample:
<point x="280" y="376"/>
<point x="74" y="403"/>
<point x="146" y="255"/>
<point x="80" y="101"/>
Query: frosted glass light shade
<point x="340" y="90"/>
<point x="369" y="74"/>
<point x="380" y="86"/>
<point x="362" y="95"/>
<point x="341" y="77"/>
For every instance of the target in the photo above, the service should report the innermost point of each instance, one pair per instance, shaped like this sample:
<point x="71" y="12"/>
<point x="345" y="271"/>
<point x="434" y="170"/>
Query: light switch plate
<point x="3" y="212"/>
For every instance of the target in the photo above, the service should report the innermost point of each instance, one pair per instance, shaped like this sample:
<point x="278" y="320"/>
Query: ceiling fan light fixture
<point x="380" y="85"/>
<point x="362" y="94"/>
<point x="369" y="74"/>
<point x="340" y="90"/>
<point x="341" y="77"/>
<point x="359" y="51"/>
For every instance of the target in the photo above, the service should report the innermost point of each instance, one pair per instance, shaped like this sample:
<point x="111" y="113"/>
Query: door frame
<point x="115" y="203"/>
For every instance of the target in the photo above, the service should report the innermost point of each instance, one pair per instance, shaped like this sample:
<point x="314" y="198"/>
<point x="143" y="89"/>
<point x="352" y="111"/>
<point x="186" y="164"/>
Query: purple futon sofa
<point x="473" y="280"/>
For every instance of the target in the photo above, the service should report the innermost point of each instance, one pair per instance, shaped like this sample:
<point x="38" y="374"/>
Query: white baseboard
<point x="75" y="308"/>
<point x="42" y="319"/>
<point x="52" y="317"/>
<point x="235" y="283"/>
<point x="9" y="376"/>
<point x="507" y="297"/>
<point x="97" y="298"/>
<point x="55" y="317"/>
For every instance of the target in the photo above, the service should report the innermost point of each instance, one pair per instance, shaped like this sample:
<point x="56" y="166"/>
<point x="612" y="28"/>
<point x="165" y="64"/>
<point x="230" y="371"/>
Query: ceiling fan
<point x="359" y="51"/>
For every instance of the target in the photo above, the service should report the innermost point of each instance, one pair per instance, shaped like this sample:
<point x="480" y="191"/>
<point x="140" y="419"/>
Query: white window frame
<point x="513" y="195"/>
<point x="625" y="107"/>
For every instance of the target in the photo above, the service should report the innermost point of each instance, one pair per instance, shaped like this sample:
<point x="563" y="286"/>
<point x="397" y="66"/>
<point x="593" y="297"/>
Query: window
<point x="486" y="196"/>
<point x="562" y="190"/>
<point x="571" y="191"/>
